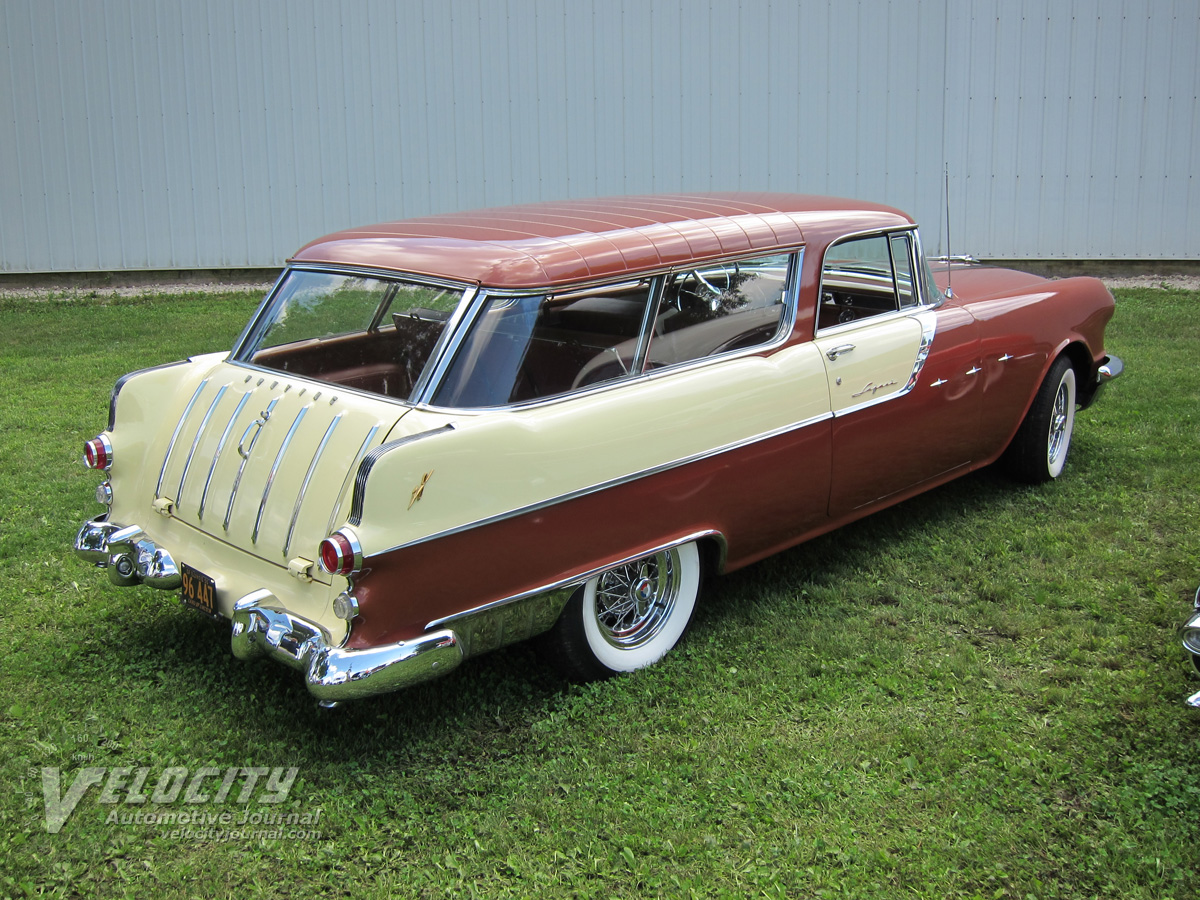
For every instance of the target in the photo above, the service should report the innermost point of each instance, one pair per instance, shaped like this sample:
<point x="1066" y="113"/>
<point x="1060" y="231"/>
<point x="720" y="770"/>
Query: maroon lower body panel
<point x="758" y="498"/>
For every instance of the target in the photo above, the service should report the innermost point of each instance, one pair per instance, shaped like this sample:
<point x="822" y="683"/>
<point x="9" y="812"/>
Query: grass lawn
<point x="975" y="694"/>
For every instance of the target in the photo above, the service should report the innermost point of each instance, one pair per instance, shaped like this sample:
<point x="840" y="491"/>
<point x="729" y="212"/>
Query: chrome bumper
<point x="129" y="556"/>
<point x="261" y="628"/>
<point x="1111" y="368"/>
<point x="1189" y="635"/>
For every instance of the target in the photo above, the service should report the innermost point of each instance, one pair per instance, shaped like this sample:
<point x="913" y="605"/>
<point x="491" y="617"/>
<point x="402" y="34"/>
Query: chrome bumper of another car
<point x="1189" y="634"/>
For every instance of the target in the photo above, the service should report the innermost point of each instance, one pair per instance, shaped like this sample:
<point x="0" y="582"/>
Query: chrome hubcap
<point x="1058" y="424"/>
<point x="633" y="601"/>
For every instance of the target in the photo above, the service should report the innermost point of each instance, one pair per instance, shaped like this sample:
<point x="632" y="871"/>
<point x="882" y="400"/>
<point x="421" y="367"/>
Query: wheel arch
<point x="1081" y="360"/>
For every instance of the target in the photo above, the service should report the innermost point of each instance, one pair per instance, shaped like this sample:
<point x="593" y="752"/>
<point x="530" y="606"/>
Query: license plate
<point x="198" y="590"/>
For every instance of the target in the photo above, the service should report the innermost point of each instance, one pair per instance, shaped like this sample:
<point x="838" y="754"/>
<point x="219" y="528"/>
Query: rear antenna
<point x="949" y="256"/>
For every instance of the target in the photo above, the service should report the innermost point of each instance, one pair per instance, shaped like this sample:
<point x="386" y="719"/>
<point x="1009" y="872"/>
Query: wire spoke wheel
<point x="634" y="601"/>
<point x="1057" y="441"/>
<point x="627" y="617"/>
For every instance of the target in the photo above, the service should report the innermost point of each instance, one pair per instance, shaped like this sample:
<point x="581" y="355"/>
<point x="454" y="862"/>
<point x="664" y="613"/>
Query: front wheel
<point x="627" y="617"/>
<point x="1038" y="452"/>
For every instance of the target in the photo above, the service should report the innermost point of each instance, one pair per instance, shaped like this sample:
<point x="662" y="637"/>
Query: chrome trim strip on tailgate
<point x="262" y="504"/>
<point x="175" y="436"/>
<point x="312" y="467"/>
<point x="196" y="441"/>
<point x="217" y="454"/>
<point x="244" y="452"/>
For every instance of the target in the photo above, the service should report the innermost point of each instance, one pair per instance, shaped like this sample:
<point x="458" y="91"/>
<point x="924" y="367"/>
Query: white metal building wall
<point x="147" y="134"/>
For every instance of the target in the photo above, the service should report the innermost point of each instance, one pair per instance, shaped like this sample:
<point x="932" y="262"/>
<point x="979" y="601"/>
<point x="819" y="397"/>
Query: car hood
<point x="972" y="281"/>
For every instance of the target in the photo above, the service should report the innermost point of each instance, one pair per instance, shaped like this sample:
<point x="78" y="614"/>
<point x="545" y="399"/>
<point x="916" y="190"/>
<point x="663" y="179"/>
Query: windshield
<point x="372" y="334"/>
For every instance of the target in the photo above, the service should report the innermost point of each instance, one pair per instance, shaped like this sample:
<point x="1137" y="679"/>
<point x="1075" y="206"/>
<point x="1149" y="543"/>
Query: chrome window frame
<point x="922" y="290"/>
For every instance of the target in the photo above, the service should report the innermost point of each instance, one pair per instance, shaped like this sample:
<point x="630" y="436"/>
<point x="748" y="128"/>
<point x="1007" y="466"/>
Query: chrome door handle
<point x="256" y="427"/>
<point x="834" y="352"/>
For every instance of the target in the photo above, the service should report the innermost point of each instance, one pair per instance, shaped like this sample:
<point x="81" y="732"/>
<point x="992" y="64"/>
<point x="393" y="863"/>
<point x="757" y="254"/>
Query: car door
<point x="902" y="374"/>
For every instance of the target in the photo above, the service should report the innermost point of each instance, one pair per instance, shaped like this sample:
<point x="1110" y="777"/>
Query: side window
<point x="903" y="268"/>
<point x="866" y="276"/>
<point x="527" y="347"/>
<point x="717" y="308"/>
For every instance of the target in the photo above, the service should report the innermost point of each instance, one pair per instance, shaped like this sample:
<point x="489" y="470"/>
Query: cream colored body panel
<point x="876" y="359"/>
<point x="494" y="463"/>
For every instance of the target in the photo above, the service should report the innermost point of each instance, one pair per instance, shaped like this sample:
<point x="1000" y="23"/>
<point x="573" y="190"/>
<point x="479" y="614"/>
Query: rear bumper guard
<point x="128" y="554"/>
<point x="261" y="627"/>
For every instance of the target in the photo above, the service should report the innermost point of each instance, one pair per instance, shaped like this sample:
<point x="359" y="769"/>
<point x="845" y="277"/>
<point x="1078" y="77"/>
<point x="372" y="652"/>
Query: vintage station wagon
<point x="439" y="436"/>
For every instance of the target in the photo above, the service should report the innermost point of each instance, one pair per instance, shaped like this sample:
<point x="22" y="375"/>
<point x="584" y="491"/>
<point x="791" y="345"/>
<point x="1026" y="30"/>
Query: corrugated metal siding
<point x="139" y="134"/>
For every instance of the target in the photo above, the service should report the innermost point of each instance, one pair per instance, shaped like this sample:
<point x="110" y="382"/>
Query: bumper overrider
<point x="262" y="627"/>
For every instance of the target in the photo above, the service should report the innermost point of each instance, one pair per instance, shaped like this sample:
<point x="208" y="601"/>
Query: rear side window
<point x="715" y="309"/>
<point x="524" y="348"/>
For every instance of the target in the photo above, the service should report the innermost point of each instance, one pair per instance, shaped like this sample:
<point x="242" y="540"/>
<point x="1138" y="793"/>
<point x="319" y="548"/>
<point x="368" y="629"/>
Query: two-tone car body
<point x="442" y="435"/>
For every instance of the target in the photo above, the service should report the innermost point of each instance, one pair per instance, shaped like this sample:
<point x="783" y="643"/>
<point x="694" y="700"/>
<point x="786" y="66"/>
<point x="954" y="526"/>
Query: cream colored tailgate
<point x="266" y="462"/>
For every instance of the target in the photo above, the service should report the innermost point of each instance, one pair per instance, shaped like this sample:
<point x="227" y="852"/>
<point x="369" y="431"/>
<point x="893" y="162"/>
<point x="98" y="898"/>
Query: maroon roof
<point x="546" y="244"/>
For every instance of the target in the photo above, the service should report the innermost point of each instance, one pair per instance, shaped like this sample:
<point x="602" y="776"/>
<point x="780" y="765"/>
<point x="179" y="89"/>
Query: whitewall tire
<point x="627" y="617"/>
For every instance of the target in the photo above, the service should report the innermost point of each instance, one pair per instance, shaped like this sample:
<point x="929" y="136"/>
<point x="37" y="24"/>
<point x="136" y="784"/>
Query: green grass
<point x="974" y="694"/>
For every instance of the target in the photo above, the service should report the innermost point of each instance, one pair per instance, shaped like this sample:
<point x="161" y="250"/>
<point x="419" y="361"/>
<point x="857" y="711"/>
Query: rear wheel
<point x="1038" y="452"/>
<point x="627" y="617"/>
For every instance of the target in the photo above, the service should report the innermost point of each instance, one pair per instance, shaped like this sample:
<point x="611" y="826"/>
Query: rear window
<point x="372" y="334"/>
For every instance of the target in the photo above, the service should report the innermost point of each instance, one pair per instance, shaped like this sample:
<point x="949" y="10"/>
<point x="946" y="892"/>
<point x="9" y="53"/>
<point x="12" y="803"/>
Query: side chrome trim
<point x="312" y="467"/>
<point x="928" y="321"/>
<point x="287" y="440"/>
<point x="364" y="468"/>
<point x="187" y="411"/>
<point x="237" y="481"/>
<point x="217" y="454"/>
<point x="605" y="485"/>
<point x="353" y="468"/>
<point x="576" y="580"/>
<point x="196" y="441"/>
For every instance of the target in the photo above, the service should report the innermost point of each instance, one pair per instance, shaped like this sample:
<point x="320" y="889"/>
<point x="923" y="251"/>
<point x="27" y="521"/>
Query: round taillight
<point x="340" y="553"/>
<point x="97" y="453"/>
